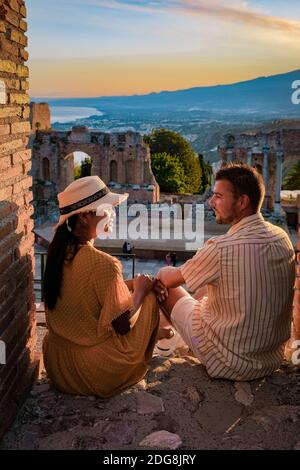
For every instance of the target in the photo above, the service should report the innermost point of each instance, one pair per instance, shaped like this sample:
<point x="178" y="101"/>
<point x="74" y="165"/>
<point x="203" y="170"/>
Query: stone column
<point x="249" y="156"/>
<point x="266" y="174"/>
<point x="229" y="153"/>
<point x="279" y="158"/>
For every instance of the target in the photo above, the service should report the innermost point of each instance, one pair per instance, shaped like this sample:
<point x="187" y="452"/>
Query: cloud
<point x="241" y="14"/>
<point x="234" y="11"/>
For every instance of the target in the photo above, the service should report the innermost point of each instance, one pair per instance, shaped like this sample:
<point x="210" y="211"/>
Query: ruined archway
<point x="113" y="171"/>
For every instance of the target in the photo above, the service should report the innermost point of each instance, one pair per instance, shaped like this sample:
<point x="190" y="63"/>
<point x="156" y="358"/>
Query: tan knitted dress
<point x="82" y="352"/>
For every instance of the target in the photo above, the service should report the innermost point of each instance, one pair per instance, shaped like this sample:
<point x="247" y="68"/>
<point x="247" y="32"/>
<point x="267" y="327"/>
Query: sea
<point x="64" y="114"/>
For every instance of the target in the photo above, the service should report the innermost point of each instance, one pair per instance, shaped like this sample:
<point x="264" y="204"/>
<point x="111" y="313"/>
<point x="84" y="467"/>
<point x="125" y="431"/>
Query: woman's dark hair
<point x="63" y="247"/>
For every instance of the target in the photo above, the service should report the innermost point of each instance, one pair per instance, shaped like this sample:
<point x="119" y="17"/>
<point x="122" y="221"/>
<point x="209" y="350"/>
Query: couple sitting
<point x="102" y="329"/>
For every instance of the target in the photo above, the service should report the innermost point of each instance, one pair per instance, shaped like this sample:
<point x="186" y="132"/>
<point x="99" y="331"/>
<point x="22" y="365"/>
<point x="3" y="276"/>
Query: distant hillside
<point x="267" y="96"/>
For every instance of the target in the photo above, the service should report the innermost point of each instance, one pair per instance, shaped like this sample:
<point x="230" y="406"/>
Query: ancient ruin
<point x="266" y="152"/>
<point x="122" y="160"/>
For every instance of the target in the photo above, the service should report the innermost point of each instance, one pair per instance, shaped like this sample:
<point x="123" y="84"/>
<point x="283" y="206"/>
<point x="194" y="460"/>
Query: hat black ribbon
<point x="84" y="202"/>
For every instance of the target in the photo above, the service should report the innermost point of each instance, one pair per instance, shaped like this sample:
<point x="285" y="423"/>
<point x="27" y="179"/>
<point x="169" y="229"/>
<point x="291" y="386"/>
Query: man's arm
<point x="170" y="277"/>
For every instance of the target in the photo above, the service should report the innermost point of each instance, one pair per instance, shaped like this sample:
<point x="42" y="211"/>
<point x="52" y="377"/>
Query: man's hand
<point x="160" y="290"/>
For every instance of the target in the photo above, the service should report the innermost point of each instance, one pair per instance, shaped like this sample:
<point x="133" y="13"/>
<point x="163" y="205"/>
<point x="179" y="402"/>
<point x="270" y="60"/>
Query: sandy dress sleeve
<point x="113" y="294"/>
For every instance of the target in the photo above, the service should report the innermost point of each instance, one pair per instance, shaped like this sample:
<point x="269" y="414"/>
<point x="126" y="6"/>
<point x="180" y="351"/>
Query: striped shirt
<point x="240" y="327"/>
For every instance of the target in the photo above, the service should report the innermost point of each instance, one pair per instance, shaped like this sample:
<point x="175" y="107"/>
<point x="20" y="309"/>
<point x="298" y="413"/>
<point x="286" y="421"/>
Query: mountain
<point x="267" y="96"/>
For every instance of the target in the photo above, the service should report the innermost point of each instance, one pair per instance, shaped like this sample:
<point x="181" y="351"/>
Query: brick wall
<point x="17" y="316"/>
<point x="296" y="312"/>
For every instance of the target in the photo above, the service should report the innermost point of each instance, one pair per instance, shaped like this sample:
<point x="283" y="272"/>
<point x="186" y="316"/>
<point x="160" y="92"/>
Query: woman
<point x="101" y="336"/>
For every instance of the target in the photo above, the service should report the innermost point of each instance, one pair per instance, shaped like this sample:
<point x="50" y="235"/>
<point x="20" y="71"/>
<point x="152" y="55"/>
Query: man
<point x="239" y="327"/>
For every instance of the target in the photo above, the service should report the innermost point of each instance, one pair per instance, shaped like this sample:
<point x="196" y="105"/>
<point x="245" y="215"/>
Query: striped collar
<point x="245" y="222"/>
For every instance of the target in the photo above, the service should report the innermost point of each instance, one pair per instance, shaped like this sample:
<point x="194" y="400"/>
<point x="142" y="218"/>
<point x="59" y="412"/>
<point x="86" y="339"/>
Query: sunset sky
<point x="121" y="47"/>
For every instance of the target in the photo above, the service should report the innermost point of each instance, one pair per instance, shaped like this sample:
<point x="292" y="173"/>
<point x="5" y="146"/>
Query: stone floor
<point x="176" y="406"/>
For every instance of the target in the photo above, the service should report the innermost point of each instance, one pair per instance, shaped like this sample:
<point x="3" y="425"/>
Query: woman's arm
<point x="142" y="285"/>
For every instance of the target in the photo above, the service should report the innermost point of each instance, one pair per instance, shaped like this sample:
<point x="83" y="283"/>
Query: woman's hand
<point x="160" y="290"/>
<point x="143" y="283"/>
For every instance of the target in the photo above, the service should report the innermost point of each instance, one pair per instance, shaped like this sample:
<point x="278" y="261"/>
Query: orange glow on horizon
<point x="141" y="75"/>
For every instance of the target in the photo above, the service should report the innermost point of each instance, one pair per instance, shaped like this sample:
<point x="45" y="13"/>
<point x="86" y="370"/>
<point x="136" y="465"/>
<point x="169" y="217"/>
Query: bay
<point x="64" y="114"/>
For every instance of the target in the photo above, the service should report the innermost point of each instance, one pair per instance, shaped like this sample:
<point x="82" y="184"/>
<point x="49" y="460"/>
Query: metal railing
<point x="39" y="281"/>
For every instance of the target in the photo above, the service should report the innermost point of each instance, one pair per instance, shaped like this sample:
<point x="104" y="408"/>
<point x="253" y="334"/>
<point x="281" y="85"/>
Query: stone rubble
<point x="176" y="406"/>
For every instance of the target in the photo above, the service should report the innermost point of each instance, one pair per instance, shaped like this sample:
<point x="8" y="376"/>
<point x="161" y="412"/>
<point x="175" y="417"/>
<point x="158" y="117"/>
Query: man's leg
<point x="167" y="306"/>
<point x="178" y="309"/>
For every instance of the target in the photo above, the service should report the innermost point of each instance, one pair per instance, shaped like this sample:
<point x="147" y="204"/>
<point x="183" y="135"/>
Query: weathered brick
<point x="8" y="66"/>
<point x="5" y="162"/>
<point x="20" y="127"/>
<point x="8" y="147"/>
<point x="26" y="112"/>
<point x="25" y="245"/>
<point x="24" y="54"/>
<point x="24" y="85"/>
<point x="14" y="5"/>
<point x="21" y="157"/>
<point x="18" y="37"/>
<point x="23" y="25"/>
<point x="6" y="194"/>
<point x="10" y="16"/>
<point x="28" y="197"/>
<point x="27" y="167"/>
<point x="17" y="98"/>
<point x="25" y="183"/>
<point x="23" y="11"/>
<point x="4" y="129"/>
<point x="11" y="172"/>
<point x="9" y="47"/>
<point x="12" y="83"/>
<point x="23" y="71"/>
<point x="9" y="111"/>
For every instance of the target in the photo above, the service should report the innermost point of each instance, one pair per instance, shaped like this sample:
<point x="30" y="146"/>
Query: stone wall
<point x="17" y="316"/>
<point x="40" y="116"/>
<point x="253" y="145"/>
<point x="122" y="160"/>
<point x="296" y="312"/>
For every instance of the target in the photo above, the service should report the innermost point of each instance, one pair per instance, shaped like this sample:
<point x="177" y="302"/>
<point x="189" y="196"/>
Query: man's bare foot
<point x="165" y="333"/>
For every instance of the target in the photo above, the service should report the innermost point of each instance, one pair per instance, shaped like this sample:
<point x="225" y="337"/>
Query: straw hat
<point x="85" y="194"/>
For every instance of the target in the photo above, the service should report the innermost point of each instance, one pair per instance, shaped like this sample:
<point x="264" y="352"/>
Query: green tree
<point x="292" y="181"/>
<point x="172" y="143"/>
<point x="77" y="171"/>
<point x="169" y="172"/>
<point x="86" y="167"/>
<point x="206" y="172"/>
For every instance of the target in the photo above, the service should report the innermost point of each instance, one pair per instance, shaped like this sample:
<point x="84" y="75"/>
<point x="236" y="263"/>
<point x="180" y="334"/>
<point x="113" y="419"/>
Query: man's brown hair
<point x="244" y="180"/>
